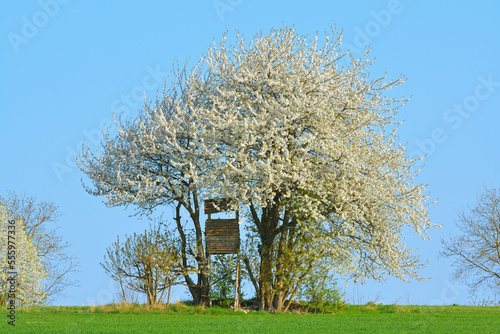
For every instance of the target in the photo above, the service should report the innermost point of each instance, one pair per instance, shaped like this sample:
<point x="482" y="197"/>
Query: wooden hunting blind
<point x="222" y="236"/>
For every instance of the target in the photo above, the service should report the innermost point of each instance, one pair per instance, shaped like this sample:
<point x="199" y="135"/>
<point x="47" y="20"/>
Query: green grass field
<point x="183" y="319"/>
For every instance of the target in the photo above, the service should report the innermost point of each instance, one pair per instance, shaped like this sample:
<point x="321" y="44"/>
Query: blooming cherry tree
<point x="292" y="130"/>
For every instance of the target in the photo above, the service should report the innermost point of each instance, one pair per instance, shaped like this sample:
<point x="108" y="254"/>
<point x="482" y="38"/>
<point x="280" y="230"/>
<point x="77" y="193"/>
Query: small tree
<point x="476" y="251"/>
<point x="19" y="254"/>
<point x="146" y="263"/>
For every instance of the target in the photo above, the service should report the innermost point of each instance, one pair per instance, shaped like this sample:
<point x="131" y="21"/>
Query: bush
<point x="319" y="293"/>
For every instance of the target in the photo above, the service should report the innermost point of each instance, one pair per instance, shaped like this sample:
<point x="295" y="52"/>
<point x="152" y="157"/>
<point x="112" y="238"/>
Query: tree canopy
<point x="295" y="132"/>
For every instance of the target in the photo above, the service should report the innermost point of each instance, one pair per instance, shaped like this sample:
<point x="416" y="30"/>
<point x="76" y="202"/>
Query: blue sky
<point x="66" y="65"/>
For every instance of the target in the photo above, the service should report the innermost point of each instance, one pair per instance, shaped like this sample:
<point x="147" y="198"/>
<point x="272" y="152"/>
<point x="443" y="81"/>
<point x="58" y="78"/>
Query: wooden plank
<point x="219" y="245"/>
<point x="211" y="247"/>
<point x="223" y="231"/>
<point x="228" y="222"/>
<point x="223" y="242"/>
<point x="233" y="245"/>
<point x="228" y="233"/>
<point x="223" y="226"/>
<point x="225" y="246"/>
<point x="228" y="244"/>
<point x="222" y="238"/>
<point x="218" y="229"/>
<point x="222" y="251"/>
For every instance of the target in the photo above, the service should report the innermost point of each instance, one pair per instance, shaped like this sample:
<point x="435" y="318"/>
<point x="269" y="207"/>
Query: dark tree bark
<point x="198" y="290"/>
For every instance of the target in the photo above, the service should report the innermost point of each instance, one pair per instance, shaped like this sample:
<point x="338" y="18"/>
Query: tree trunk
<point x="278" y="301"/>
<point x="149" y="293"/>
<point x="266" y="277"/>
<point x="267" y="227"/>
<point x="168" y="294"/>
<point x="198" y="291"/>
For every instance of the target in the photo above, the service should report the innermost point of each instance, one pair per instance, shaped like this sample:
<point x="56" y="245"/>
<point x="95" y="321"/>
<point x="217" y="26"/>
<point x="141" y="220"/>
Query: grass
<point x="180" y="318"/>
